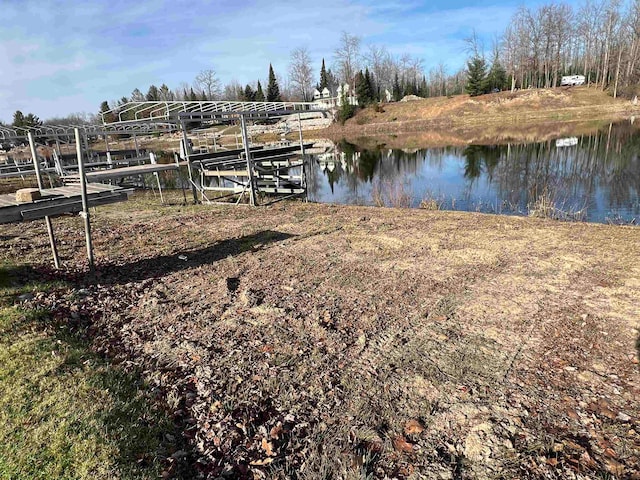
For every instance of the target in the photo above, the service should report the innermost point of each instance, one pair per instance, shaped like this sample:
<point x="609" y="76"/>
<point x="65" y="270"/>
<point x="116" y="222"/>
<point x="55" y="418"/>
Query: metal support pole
<point x="106" y="142"/>
<point x="135" y="142"/>
<point x="247" y="152"/>
<point x="58" y="163"/>
<point x="179" y="177"/>
<point x="187" y="151"/>
<point x="86" y="145"/>
<point x="152" y="159"/>
<point x="300" y="133"/>
<point x="47" y="220"/>
<point x="18" y="168"/>
<point x="304" y="162"/>
<point x="85" y="202"/>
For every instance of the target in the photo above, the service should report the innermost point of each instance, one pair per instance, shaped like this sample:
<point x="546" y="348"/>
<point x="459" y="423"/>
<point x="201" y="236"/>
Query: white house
<point x="344" y="90"/>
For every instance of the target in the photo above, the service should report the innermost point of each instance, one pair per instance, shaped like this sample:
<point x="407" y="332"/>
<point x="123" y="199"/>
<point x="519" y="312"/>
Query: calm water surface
<point x="594" y="178"/>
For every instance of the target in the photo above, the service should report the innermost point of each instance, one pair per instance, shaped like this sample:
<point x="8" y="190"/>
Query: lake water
<point x="591" y="177"/>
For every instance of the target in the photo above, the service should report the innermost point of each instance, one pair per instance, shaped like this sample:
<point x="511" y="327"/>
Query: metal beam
<point x="47" y="220"/>
<point x="85" y="203"/>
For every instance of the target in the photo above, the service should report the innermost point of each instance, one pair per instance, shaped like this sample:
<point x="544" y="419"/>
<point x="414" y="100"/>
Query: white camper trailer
<point x="572" y="80"/>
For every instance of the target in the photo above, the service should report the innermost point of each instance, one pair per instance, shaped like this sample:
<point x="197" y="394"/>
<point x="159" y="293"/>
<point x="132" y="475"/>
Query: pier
<point x="244" y="173"/>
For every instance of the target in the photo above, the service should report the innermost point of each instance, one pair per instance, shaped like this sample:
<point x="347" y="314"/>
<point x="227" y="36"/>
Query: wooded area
<point x="599" y="39"/>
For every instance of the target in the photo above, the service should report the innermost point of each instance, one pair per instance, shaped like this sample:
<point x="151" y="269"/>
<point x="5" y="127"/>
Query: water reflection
<point x="592" y="177"/>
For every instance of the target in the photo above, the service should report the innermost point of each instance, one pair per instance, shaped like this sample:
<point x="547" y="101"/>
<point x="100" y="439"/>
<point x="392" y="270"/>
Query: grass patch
<point x="65" y="412"/>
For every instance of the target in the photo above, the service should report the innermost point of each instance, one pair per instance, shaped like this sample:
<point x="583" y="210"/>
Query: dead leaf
<point x="552" y="461"/>
<point x="573" y="446"/>
<point x="267" y="447"/>
<point x="258" y="463"/>
<point x="401" y="444"/>
<point x="413" y="427"/>
<point x="614" y="467"/>
<point x="587" y="461"/>
<point x="571" y="413"/>
<point x="276" y="431"/>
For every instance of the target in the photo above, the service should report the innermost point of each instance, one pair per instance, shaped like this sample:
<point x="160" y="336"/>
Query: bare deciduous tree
<point x="347" y="57"/>
<point x="301" y="73"/>
<point x="208" y="82"/>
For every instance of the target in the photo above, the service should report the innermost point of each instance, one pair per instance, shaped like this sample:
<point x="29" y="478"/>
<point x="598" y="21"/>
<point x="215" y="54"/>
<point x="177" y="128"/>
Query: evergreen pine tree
<point x="164" y="93"/>
<point x="346" y="110"/>
<point x="362" y="90"/>
<point x="18" y="119"/>
<point x="497" y="77"/>
<point x="476" y="76"/>
<point x="424" y="89"/>
<point x="137" y="96"/>
<point x="397" y="92"/>
<point x="410" y="87"/>
<point x="153" y="94"/>
<point x="192" y="96"/>
<point x="324" y="79"/>
<point x="249" y="95"/>
<point x="259" y="97"/>
<point x="273" y="91"/>
<point x="108" y="117"/>
<point x="371" y="92"/>
<point x="32" y="120"/>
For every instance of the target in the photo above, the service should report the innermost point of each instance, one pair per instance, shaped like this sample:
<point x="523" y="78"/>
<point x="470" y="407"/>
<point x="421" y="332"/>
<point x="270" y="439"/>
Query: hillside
<point x="523" y="115"/>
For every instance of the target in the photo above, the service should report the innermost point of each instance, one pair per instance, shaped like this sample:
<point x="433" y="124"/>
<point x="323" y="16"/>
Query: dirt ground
<point x="318" y="341"/>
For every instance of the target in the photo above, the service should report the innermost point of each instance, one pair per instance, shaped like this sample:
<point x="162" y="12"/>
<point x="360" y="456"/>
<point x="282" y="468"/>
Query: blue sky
<point x="61" y="57"/>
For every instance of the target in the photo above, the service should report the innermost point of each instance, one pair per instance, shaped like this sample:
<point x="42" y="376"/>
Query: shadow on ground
<point x="159" y="266"/>
<point x="95" y="415"/>
<point x="131" y="408"/>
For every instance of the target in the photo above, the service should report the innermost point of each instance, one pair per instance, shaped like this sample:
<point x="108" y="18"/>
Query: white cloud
<point x="63" y="56"/>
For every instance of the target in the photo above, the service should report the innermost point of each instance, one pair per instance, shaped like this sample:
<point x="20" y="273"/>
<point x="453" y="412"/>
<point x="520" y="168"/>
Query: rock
<point x="410" y="98"/>
<point x="28" y="195"/>
<point x="179" y="454"/>
<point x="623" y="417"/>
<point x="475" y="449"/>
<point x="25" y="297"/>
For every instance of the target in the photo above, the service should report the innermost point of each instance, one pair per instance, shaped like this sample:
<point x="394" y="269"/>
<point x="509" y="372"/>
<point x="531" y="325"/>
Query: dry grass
<point x="315" y="341"/>
<point x="392" y="193"/>
<point x="524" y="116"/>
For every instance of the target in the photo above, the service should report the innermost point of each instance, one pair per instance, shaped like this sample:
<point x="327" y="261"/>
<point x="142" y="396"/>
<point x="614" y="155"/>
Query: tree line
<point x="599" y="39"/>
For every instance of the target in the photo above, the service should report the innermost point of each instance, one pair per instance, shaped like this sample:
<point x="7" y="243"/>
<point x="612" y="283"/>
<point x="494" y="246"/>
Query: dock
<point x="60" y="200"/>
<point x="123" y="172"/>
